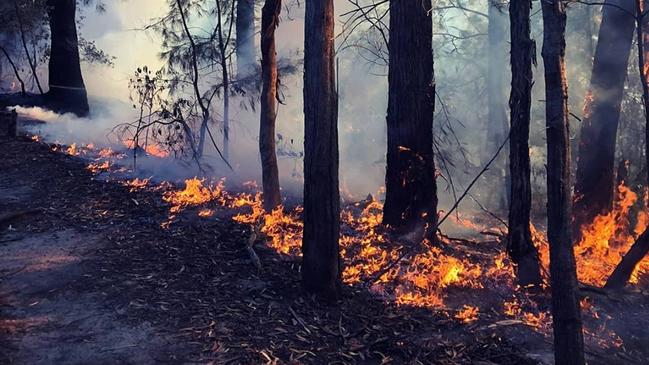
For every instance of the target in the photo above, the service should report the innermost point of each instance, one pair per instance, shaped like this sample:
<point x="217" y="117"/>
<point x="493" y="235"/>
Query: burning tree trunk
<point x="67" y="90"/>
<point x="321" y="266"/>
<point x="270" y="174"/>
<point x="640" y="248"/>
<point x="519" y="240"/>
<point x="566" y="315"/>
<point x="595" y="183"/>
<point x="498" y="127"/>
<point x="245" y="28"/>
<point x="411" y="190"/>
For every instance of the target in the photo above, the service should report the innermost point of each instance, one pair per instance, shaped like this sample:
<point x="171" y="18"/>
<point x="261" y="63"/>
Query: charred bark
<point x="595" y="182"/>
<point x="566" y="311"/>
<point x="270" y="174"/>
<point x="411" y="190"/>
<point x="67" y="90"/>
<point x="321" y="265"/>
<point x="640" y="248"/>
<point x="245" y="41"/>
<point x="519" y="240"/>
<point x="498" y="124"/>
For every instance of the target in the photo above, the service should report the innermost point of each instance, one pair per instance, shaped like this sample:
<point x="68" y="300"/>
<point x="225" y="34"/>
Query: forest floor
<point x="89" y="276"/>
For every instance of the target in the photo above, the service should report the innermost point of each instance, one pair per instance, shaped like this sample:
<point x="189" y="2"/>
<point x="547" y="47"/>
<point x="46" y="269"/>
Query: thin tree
<point x="245" y="39"/>
<point x="498" y="124"/>
<point x="269" y="76"/>
<point x="67" y="89"/>
<point x="321" y="266"/>
<point x="519" y="241"/>
<point x="224" y="37"/>
<point x="595" y="179"/>
<point x="640" y="248"/>
<point x="566" y="311"/>
<point x="411" y="190"/>
<point x="30" y="61"/>
<point x="15" y="69"/>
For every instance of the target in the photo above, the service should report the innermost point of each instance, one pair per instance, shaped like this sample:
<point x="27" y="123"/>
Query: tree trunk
<point x="411" y="190"/>
<point x="566" y="311"/>
<point x="245" y="27"/>
<point x="270" y="174"/>
<point x="519" y="242"/>
<point x="225" y="78"/>
<point x="498" y="125"/>
<point x="640" y="248"/>
<point x="321" y="266"/>
<point x="595" y="183"/>
<point x="67" y="91"/>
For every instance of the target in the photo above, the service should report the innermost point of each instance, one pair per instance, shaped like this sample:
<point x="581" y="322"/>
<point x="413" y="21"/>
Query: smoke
<point x="461" y="113"/>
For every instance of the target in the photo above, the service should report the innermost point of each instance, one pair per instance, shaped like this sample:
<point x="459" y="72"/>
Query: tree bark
<point x="245" y="42"/>
<point x="595" y="182"/>
<point x="67" y="90"/>
<point x="321" y="266"/>
<point x="223" y="41"/>
<point x="566" y="311"/>
<point x="411" y="190"/>
<point x="519" y="242"/>
<point x="270" y="174"/>
<point x="640" y="248"/>
<point x="498" y="124"/>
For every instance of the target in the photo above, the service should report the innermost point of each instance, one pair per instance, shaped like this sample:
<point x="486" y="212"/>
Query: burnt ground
<point x="89" y="276"/>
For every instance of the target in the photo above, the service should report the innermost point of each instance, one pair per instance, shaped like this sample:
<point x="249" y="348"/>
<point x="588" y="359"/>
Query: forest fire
<point x="194" y="193"/>
<point x="97" y="167"/>
<point x="136" y="184"/>
<point x="484" y="236"/>
<point x="371" y="259"/>
<point x="425" y="277"/>
<point x="152" y="149"/>
<point x="604" y="242"/>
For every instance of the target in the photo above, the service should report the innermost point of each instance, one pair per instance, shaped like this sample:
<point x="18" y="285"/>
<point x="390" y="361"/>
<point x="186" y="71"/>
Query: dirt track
<point x="48" y="315"/>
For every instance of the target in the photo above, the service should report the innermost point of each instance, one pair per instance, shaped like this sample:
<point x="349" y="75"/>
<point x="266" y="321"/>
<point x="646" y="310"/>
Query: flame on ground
<point x="423" y="279"/>
<point x="153" y="149"/>
<point x="605" y="241"/>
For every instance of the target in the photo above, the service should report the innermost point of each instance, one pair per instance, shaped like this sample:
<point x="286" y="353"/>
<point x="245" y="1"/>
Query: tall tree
<point x="223" y="40"/>
<point x="67" y="89"/>
<point x="411" y="190"/>
<point x="498" y="125"/>
<point x="270" y="174"/>
<point x="640" y="248"/>
<point x="595" y="181"/>
<point x="321" y="266"/>
<point x="519" y="240"/>
<point x="245" y="39"/>
<point x="566" y="311"/>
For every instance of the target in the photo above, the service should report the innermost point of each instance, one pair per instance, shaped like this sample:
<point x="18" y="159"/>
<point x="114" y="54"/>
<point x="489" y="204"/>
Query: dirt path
<point x="47" y="314"/>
